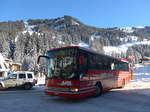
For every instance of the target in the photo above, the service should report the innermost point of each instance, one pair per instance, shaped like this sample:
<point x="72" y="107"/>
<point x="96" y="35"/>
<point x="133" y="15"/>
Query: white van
<point x="23" y="79"/>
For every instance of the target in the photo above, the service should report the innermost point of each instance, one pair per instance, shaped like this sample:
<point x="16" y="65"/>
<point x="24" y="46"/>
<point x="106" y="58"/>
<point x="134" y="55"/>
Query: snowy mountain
<point x="23" y="41"/>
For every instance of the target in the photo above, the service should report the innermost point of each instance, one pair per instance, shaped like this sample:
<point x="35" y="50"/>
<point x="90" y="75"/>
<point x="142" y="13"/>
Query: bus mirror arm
<point x="38" y="61"/>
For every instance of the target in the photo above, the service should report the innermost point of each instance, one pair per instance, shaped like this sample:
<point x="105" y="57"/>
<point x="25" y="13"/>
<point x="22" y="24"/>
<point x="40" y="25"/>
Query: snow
<point x="82" y="44"/>
<point x="140" y="27"/>
<point x="122" y="39"/>
<point x="145" y="69"/>
<point x="60" y="19"/>
<point x="53" y="37"/>
<point x="61" y="42"/>
<point x="29" y="29"/>
<point x="130" y="29"/>
<point x="95" y="36"/>
<point x="133" y="38"/>
<point x="138" y="65"/>
<point x="116" y="49"/>
<point x="129" y="38"/>
<point x="74" y="22"/>
<point x="59" y="27"/>
<point x="123" y="48"/>
<point x="16" y="39"/>
<point x="144" y="42"/>
<point x="141" y="80"/>
<point x="127" y="29"/>
<point x="3" y="63"/>
<point x="2" y="60"/>
<point x="145" y="39"/>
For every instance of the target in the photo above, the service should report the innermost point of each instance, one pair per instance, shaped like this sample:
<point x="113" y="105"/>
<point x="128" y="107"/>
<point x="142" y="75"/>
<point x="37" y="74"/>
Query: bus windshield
<point x="62" y="64"/>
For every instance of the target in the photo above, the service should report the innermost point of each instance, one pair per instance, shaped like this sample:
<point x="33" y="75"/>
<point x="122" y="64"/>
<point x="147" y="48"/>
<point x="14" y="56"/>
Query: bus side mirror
<point x="81" y="60"/>
<point x="41" y="58"/>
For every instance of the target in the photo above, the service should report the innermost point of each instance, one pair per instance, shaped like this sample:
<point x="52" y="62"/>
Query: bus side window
<point x="121" y="66"/>
<point x="93" y="64"/>
<point x="83" y="58"/>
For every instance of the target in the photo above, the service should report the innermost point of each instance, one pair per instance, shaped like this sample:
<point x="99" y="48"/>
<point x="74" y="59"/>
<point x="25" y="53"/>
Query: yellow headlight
<point x="74" y="89"/>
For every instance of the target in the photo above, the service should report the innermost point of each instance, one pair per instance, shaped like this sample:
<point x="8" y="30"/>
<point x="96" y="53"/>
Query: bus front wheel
<point x="99" y="90"/>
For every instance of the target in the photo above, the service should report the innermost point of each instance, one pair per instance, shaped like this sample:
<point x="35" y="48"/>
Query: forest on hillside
<point x="24" y="41"/>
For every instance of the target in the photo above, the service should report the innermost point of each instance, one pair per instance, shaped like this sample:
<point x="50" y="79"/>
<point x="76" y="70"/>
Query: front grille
<point x="58" y="89"/>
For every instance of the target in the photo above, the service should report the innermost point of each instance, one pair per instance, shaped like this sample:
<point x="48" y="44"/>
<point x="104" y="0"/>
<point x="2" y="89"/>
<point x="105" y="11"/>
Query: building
<point x="145" y="60"/>
<point x="4" y="67"/>
<point x="7" y="66"/>
<point x="15" y="67"/>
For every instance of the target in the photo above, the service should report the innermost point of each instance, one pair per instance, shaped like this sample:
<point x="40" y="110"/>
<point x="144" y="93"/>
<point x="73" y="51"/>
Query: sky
<point x="98" y="13"/>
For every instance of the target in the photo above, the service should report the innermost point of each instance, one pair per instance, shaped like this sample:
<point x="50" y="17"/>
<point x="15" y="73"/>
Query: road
<point x="36" y="101"/>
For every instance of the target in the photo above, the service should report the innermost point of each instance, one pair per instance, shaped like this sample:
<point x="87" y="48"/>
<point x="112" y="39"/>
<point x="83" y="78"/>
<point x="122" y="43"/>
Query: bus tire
<point x="98" y="90"/>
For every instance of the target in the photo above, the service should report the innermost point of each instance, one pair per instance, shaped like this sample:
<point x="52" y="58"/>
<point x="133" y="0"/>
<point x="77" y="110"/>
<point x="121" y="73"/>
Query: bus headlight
<point x="74" y="89"/>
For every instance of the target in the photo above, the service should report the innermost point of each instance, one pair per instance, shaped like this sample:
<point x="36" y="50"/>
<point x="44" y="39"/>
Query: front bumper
<point x="64" y="92"/>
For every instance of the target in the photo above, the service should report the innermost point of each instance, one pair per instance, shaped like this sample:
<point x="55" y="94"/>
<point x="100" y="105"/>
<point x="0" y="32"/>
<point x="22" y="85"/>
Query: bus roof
<point x="63" y="48"/>
<point x="90" y="51"/>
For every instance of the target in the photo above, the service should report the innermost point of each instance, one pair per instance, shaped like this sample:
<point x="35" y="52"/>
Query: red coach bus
<point x="77" y="72"/>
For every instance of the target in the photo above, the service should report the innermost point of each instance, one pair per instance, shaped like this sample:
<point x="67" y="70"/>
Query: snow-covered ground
<point x="141" y="81"/>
